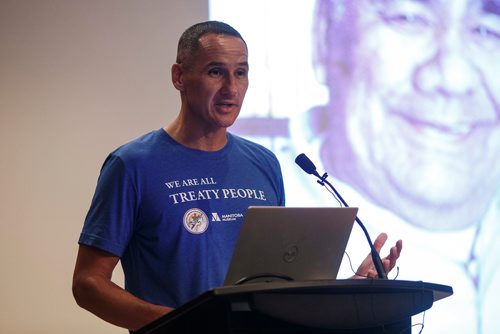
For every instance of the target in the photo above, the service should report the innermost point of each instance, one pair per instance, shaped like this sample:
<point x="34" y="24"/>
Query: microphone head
<point x="306" y="164"/>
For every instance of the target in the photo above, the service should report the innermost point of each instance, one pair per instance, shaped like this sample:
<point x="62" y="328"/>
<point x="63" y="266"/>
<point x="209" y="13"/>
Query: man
<point x="413" y="126"/>
<point x="155" y="195"/>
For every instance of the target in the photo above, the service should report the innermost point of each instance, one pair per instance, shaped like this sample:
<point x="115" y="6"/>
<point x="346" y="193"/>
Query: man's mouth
<point x="227" y="106"/>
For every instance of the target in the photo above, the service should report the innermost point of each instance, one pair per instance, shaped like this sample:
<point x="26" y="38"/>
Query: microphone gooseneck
<point x="308" y="166"/>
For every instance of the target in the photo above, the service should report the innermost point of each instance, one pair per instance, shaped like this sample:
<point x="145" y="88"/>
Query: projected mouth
<point x="436" y="129"/>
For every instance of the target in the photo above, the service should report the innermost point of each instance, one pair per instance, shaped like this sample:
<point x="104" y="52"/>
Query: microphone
<point x="308" y="166"/>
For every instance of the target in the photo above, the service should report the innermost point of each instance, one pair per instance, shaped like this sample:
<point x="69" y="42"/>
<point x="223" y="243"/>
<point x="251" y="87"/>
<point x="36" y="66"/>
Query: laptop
<point x="290" y="244"/>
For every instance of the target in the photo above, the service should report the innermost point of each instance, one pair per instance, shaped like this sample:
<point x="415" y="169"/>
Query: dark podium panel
<point x="340" y="306"/>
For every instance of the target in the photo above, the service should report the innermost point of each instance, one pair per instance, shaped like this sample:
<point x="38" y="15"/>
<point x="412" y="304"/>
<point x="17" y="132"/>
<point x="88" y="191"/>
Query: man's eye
<point x="215" y="72"/>
<point x="241" y="73"/>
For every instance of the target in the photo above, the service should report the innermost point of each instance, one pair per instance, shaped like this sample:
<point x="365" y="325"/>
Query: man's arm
<point x="94" y="291"/>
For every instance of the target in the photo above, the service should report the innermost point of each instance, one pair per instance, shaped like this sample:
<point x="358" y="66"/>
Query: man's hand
<point x="367" y="269"/>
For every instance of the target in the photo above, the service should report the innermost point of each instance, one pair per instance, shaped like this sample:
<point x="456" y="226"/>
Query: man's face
<point x="419" y="98"/>
<point x="214" y="82"/>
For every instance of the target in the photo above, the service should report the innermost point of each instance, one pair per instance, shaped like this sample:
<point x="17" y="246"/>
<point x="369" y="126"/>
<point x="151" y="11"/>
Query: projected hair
<point x="189" y="41"/>
<point x="334" y="36"/>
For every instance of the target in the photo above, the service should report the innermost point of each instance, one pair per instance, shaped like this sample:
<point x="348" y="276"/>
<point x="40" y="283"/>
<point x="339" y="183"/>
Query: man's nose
<point x="229" y="85"/>
<point x="447" y="70"/>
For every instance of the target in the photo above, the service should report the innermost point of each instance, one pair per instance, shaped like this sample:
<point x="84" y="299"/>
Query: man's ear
<point x="177" y="76"/>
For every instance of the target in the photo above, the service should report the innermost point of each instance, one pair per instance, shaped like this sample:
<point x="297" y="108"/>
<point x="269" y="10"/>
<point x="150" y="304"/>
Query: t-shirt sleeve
<point x="277" y="177"/>
<point x="280" y="183"/>
<point x="110" y="220"/>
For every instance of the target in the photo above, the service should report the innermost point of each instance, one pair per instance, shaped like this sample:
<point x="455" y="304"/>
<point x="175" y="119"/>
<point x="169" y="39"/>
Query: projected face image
<point x="414" y="114"/>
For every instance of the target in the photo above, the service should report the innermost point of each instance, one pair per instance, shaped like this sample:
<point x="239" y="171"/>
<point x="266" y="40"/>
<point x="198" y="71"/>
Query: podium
<point x="338" y="306"/>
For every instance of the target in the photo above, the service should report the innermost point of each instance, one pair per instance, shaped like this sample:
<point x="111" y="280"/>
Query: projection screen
<point x="398" y="101"/>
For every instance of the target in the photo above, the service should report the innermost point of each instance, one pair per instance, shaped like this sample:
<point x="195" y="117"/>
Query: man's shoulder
<point x="250" y="147"/>
<point x="251" y="152"/>
<point x="141" y="147"/>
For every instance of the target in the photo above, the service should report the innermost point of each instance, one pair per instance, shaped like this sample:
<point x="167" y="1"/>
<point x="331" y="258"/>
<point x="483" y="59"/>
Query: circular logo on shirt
<point x="195" y="221"/>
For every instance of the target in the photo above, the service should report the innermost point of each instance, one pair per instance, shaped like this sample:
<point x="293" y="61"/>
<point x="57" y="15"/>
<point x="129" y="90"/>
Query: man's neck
<point x="199" y="139"/>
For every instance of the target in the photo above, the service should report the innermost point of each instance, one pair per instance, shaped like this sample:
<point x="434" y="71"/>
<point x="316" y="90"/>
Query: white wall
<point x="77" y="78"/>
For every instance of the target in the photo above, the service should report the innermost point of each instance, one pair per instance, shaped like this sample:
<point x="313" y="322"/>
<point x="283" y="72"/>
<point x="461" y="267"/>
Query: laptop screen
<point x="287" y="243"/>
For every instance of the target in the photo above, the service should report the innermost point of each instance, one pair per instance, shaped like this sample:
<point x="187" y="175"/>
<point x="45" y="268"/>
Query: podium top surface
<point x="338" y="287"/>
<point x="365" y="303"/>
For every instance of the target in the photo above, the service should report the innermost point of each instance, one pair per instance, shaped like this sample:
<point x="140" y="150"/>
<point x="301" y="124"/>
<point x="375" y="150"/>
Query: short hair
<point x="189" y="41"/>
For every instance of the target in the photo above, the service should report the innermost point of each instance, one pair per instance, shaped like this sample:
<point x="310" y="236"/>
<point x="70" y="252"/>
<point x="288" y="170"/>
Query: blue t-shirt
<point x="173" y="214"/>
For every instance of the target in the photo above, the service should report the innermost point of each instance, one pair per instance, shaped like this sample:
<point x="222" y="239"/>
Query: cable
<point x="263" y="275"/>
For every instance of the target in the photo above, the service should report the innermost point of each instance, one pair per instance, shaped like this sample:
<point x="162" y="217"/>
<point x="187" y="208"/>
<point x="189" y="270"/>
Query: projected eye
<point x="487" y="36"/>
<point x="486" y="32"/>
<point x="406" y="16"/>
